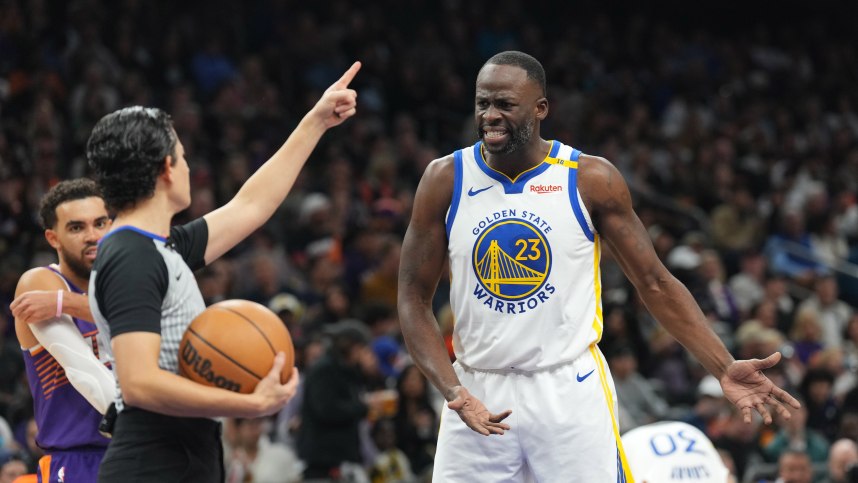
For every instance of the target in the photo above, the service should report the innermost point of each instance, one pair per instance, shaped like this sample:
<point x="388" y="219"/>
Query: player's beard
<point x="77" y="263"/>
<point x="518" y="139"/>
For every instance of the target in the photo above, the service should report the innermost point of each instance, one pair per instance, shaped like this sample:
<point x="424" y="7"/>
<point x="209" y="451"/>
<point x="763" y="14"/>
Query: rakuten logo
<point x="545" y="188"/>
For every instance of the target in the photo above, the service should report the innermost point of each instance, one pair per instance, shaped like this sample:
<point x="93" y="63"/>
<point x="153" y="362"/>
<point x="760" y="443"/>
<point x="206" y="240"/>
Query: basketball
<point x="232" y="344"/>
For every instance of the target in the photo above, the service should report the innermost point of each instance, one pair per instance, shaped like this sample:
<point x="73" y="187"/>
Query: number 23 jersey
<point x="524" y="260"/>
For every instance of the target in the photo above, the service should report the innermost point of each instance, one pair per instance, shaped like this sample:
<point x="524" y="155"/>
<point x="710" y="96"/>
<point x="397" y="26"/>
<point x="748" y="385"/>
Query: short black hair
<point x="69" y="190"/>
<point x="533" y="67"/>
<point x="127" y="149"/>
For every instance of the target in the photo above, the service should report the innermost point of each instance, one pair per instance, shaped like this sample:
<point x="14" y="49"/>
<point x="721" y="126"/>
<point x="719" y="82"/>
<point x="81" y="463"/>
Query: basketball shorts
<point x="563" y="427"/>
<point x="153" y="448"/>
<point x="68" y="466"/>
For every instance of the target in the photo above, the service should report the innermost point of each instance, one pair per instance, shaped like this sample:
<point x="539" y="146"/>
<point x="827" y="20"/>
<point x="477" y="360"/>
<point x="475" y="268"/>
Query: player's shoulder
<point x="39" y="278"/>
<point x="594" y="167"/>
<point x="441" y="169"/>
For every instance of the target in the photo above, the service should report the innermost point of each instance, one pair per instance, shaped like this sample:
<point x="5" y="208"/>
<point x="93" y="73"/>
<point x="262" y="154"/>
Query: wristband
<point x="59" y="303"/>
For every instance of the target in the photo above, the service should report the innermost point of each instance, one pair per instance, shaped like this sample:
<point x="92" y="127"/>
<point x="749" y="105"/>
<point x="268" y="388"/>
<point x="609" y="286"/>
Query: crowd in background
<point x="740" y="145"/>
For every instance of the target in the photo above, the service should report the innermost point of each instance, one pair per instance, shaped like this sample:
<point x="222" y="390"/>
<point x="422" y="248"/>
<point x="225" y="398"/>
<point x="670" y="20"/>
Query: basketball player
<point x="143" y="294"/>
<point x="522" y="220"/>
<point x="673" y="451"/>
<point x="71" y="388"/>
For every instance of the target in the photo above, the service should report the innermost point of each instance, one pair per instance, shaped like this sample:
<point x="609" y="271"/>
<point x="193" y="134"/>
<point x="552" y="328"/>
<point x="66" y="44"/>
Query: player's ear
<point x="53" y="238"/>
<point x="542" y="108"/>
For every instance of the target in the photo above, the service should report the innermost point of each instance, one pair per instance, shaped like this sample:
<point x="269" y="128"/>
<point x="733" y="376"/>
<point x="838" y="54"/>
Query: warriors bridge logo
<point x="512" y="260"/>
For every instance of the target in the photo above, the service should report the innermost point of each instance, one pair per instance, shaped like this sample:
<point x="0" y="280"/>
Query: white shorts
<point x="563" y="427"/>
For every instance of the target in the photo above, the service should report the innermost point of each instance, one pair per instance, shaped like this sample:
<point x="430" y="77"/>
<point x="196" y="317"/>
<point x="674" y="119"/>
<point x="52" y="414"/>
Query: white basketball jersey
<point x="673" y="451"/>
<point x="524" y="260"/>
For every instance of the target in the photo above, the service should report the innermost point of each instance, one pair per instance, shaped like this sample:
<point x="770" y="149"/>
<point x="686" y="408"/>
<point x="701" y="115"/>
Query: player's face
<point x="80" y="224"/>
<point x="507" y="106"/>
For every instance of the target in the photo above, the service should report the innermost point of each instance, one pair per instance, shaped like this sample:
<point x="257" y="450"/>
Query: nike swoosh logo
<point x="585" y="376"/>
<point x="471" y="191"/>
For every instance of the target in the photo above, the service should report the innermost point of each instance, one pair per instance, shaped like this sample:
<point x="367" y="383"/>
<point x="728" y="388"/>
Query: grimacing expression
<point x="80" y="225"/>
<point x="507" y="106"/>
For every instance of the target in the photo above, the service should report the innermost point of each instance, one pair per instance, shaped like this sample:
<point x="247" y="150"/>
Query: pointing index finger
<point x="347" y="76"/>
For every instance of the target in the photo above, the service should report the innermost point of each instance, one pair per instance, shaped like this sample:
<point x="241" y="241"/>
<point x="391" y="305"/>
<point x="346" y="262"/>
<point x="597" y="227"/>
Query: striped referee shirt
<point x="143" y="282"/>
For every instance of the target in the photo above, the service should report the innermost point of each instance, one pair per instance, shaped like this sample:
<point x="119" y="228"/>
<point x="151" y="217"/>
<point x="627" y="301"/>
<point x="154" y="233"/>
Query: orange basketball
<point x="232" y="345"/>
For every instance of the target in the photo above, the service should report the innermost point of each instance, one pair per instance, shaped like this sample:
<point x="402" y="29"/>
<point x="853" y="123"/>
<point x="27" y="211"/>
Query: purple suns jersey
<point x="65" y="419"/>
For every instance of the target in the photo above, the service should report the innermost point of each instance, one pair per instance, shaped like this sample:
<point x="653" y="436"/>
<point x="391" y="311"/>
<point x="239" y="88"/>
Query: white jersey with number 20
<point x="673" y="451"/>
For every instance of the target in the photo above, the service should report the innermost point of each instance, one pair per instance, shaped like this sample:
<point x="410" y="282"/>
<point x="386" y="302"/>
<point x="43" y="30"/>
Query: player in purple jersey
<point x="71" y="388"/>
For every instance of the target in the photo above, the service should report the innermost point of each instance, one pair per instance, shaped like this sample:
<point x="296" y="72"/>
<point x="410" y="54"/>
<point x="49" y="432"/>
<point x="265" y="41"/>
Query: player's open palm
<point x="338" y="103"/>
<point x="274" y="395"/>
<point x="475" y="414"/>
<point x="749" y="389"/>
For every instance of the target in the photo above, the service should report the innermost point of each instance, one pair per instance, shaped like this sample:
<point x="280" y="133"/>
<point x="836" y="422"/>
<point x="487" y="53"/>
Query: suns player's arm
<point x="36" y="306"/>
<point x="263" y="192"/>
<point x="424" y="252"/>
<point x="607" y="198"/>
<point x="130" y="285"/>
<point x="62" y="339"/>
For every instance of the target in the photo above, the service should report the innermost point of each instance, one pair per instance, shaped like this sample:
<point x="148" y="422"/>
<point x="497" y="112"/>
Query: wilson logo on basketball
<point x="203" y="368"/>
<point x="545" y="188"/>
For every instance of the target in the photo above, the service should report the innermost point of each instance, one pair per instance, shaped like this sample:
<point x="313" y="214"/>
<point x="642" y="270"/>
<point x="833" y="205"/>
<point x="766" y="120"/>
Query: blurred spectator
<point x="794" y="467"/>
<point x="790" y="251"/>
<point x="739" y="438"/>
<point x="816" y="392"/>
<point x="747" y="286"/>
<point x="639" y="402"/>
<point x="716" y="298"/>
<point x="843" y="462"/>
<point x="833" y="313"/>
<point x="380" y="285"/>
<point x="709" y="407"/>
<point x="391" y="465"/>
<point x="383" y="324"/>
<point x="417" y="420"/>
<point x="291" y="311"/>
<point x="806" y="335"/>
<point x="250" y="456"/>
<point x="736" y="226"/>
<point x="11" y="467"/>
<point x="794" y="435"/>
<point x="333" y="407"/>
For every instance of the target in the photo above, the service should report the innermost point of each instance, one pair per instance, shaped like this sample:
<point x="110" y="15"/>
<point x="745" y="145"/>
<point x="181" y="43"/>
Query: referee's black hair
<point x="127" y="150"/>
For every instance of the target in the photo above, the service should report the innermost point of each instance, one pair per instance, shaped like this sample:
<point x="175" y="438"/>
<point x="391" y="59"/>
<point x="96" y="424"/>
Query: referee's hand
<point x="475" y="414"/>
<point x="273" y="395"/>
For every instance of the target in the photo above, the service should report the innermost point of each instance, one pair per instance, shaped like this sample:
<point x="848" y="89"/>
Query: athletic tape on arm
<point x="84" y="371"/>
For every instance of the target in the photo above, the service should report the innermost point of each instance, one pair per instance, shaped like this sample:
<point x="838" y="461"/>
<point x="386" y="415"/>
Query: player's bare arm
<point x="263" y="192"/>
<point x="424" y="253"/>
<point x="145" y="385"/>
<point x="607" y="197"/>
<point x="36" y="306"/>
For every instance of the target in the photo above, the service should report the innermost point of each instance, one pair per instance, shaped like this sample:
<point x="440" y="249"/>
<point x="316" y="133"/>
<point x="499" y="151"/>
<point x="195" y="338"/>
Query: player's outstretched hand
<point x="35" y="306"/>
<point x="338" y="103"/>
<point x="273" y="395"/>
<point x="474" y="413"/>
<point x="749" y="389"/>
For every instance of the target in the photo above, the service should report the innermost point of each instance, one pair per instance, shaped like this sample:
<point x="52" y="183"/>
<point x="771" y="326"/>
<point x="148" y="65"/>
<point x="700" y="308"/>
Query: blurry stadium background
<point x="736" y="127"/>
